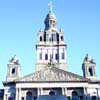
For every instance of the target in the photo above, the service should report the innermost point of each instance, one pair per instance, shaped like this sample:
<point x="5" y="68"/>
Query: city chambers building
<point x="51" y="76"/>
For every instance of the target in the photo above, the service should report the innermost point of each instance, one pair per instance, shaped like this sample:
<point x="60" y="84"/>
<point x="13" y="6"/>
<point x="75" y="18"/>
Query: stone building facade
<point x="51" y="76"/>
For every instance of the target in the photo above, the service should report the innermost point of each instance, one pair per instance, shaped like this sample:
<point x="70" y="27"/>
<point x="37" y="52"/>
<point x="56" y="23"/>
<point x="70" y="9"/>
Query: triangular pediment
<point x="52" y="74"/>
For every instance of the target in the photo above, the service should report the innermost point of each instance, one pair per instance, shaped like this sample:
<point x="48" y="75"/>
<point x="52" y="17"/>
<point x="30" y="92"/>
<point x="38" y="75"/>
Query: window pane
<point x="91" y="71"/>
<point x="40" y="38"/>
<point x="22" y="98"/>
<point x="54" y="37"/>
<point x="57" y="37"/>
<point x="46" y="57"/>
<point x="62" y="38"/>
<point x="63" y="56"/>
<point x="13" y="71"/>
<point x="45" y="37"/>
<point x="40" y="56"/>
<point x="57" y="56"/>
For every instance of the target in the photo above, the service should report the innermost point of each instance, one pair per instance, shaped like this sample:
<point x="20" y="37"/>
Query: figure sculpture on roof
<point x="14" y="60"/>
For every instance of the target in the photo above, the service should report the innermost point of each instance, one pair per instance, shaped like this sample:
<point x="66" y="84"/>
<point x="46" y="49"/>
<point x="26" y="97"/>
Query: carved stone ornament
<point x="52" y="74"/>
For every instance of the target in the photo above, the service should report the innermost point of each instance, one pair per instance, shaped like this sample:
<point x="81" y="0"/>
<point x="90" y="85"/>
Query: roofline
<point x="83" y="81"/>
<point x="50" y="81"/>
<point x="50" y="46"/>
<point x="9" y="83"/>
<point x="94" y="82"/>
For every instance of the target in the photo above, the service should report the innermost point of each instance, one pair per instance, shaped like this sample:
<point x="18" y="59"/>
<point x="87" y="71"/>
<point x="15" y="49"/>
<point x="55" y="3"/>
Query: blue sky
<point x="20" y="21"/>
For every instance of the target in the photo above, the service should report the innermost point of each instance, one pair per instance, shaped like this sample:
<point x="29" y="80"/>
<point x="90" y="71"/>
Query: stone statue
<point x="14" y="60"/>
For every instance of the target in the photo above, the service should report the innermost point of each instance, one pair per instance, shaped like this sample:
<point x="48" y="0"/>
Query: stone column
<point x="85" y="93"/>
<point x="25" y="95"/>
<point x="98" y="98"/>
<point x="38" y="92"/>
<point x="17" y="93"/>
<point x="5" y="97"/>
<point x="66" y="92"/>
<point x="63" y="91"/>
<point x="41" y="91"/>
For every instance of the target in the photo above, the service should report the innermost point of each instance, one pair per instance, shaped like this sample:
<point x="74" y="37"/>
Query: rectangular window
<point x="57" y="56"/>
<point x="13" y="70"/>
<point x="40" y="56"/>
<point x="47" y="37"/>
<point x="57" y="37"/>
<point x="44" y="36"/>
<point x="63" y="56"/>
<point x="46" y="56"/>
<point x="54" y="37"/>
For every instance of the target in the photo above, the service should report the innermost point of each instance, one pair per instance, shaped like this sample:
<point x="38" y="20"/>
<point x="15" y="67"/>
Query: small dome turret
<point x="50" y="20"/>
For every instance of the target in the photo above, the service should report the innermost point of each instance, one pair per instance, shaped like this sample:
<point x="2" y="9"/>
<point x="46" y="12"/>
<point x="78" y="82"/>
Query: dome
<point x="50" y="16"/>
<point x="50" y="20"/>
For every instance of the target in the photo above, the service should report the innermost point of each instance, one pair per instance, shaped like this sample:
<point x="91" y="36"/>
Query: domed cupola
<point x="50" y="20"/>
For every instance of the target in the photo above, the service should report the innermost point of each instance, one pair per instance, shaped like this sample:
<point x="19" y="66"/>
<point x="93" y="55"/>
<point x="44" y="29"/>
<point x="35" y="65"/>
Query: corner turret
<point x="89" y="68"/>
<point x="13" y="69"/>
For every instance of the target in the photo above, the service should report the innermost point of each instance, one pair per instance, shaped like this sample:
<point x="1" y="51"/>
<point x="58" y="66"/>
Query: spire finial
<point x="50" y="6"/>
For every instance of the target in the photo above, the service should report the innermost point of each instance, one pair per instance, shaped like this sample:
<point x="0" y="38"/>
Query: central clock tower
<point x="51" y="46"/>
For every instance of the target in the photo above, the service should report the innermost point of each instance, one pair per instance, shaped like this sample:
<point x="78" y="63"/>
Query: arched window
<point x="57" y="56"/>
<point x="40" y="38"/>
<point x="51" y="93"/>
<point x="90" y="71"/>
<point x="57" y="37"/>
<point x="75" y="95"/>
<point x="44" y="36"/>
<point x="40" y="56"/>
<point x="63" y="55"/>
<point x="12" y="97"/>
<point x="29" y="95"/>
<point x="13" y="71"/>
<point x="62" y="38"/>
